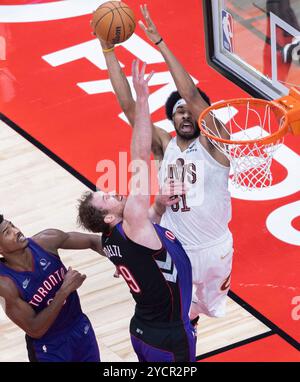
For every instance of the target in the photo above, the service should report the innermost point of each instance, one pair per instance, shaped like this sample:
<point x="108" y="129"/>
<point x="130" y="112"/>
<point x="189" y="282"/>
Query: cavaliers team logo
<point x="170" y="235"/>
<point x="226" y="283"/>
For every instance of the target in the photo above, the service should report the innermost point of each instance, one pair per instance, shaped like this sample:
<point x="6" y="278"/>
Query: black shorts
<point x="163" y="342"/>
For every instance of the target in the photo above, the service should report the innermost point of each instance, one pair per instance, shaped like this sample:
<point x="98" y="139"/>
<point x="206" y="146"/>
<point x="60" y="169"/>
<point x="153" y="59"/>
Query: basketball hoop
<point x="252" y="132"/>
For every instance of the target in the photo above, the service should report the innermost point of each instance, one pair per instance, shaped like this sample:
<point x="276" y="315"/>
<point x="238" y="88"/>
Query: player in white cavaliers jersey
<point x="201" y="220"/>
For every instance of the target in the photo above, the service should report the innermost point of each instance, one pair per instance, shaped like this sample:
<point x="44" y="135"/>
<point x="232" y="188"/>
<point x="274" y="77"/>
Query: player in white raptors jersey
<point x="200" y="220"/>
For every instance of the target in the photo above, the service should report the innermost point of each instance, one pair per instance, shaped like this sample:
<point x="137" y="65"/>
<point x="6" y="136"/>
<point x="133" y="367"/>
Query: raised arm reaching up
<point x="136" y="221"/>
<point x="184" y="83"/>
<point x="160" y="138"/>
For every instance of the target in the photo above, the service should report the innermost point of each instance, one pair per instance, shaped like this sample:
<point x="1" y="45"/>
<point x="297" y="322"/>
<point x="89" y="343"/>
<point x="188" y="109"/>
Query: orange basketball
<point x="113" y="22"/>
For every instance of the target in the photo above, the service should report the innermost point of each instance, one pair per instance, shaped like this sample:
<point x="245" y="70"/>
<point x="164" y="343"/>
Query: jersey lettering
<point x="185" y="172"/>
<point x="54" y="279"/>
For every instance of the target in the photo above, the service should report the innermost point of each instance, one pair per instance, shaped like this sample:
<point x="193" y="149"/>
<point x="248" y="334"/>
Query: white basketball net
<point x="250" y="163"/>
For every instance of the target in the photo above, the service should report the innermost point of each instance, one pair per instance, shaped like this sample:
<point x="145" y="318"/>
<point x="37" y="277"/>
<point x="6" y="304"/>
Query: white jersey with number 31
<point x="201" y="217"/>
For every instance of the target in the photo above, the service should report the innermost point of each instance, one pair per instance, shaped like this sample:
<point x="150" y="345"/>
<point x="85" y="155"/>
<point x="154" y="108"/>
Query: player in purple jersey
<point x="39" y="293"/>
<point x="148" y="256"/>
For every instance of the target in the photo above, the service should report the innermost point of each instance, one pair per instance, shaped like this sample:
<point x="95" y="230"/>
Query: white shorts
<point x="211" y="269"/>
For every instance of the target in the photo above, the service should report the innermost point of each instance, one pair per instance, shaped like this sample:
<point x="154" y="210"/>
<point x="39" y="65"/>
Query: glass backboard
<point x="255" y="43"/>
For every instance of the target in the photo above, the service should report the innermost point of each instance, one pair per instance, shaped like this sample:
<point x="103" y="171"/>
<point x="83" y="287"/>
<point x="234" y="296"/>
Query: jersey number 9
<point x="129" y="279"/>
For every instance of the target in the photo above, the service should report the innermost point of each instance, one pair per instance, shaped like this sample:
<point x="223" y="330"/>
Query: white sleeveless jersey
<point x="201" y="218"/>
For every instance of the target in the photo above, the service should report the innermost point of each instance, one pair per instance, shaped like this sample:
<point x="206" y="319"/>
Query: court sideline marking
<point x="274" y="329"/>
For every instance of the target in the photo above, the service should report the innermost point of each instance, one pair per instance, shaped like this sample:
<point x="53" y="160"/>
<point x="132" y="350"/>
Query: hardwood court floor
<point x="36" y="193"/>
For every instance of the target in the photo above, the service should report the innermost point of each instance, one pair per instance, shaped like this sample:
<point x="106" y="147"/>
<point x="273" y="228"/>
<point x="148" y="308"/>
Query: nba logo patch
<point x="170" y="235"/>
<point x="227" y="28"/>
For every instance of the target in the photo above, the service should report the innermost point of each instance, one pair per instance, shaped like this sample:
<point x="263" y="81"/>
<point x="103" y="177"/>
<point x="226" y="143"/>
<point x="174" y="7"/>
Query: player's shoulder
<point x="7" y="287"/>
<point x="165" y="233"/>
<point x="161" y="140"/>
<point x="47" y="233"/>
<point x="49" y="239"/>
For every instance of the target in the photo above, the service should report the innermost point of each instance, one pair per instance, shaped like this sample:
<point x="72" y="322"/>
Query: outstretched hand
<point x="138" y="77"/>
<point x="104" y="44"/>
<point x="170" y="192"/>
<point x="149" y="28"/>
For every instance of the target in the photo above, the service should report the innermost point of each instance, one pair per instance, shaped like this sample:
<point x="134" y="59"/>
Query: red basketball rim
<point x="272" y="138"/>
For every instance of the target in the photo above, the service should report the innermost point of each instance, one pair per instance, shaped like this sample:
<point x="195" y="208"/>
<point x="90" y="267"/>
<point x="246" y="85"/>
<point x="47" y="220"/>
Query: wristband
<point x="159" y="41"/>
<point x="108" y="50"/>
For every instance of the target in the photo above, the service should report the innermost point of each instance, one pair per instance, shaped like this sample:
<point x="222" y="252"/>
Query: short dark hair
<point x="89" y="217"/>
<point x="174" y="97"/>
